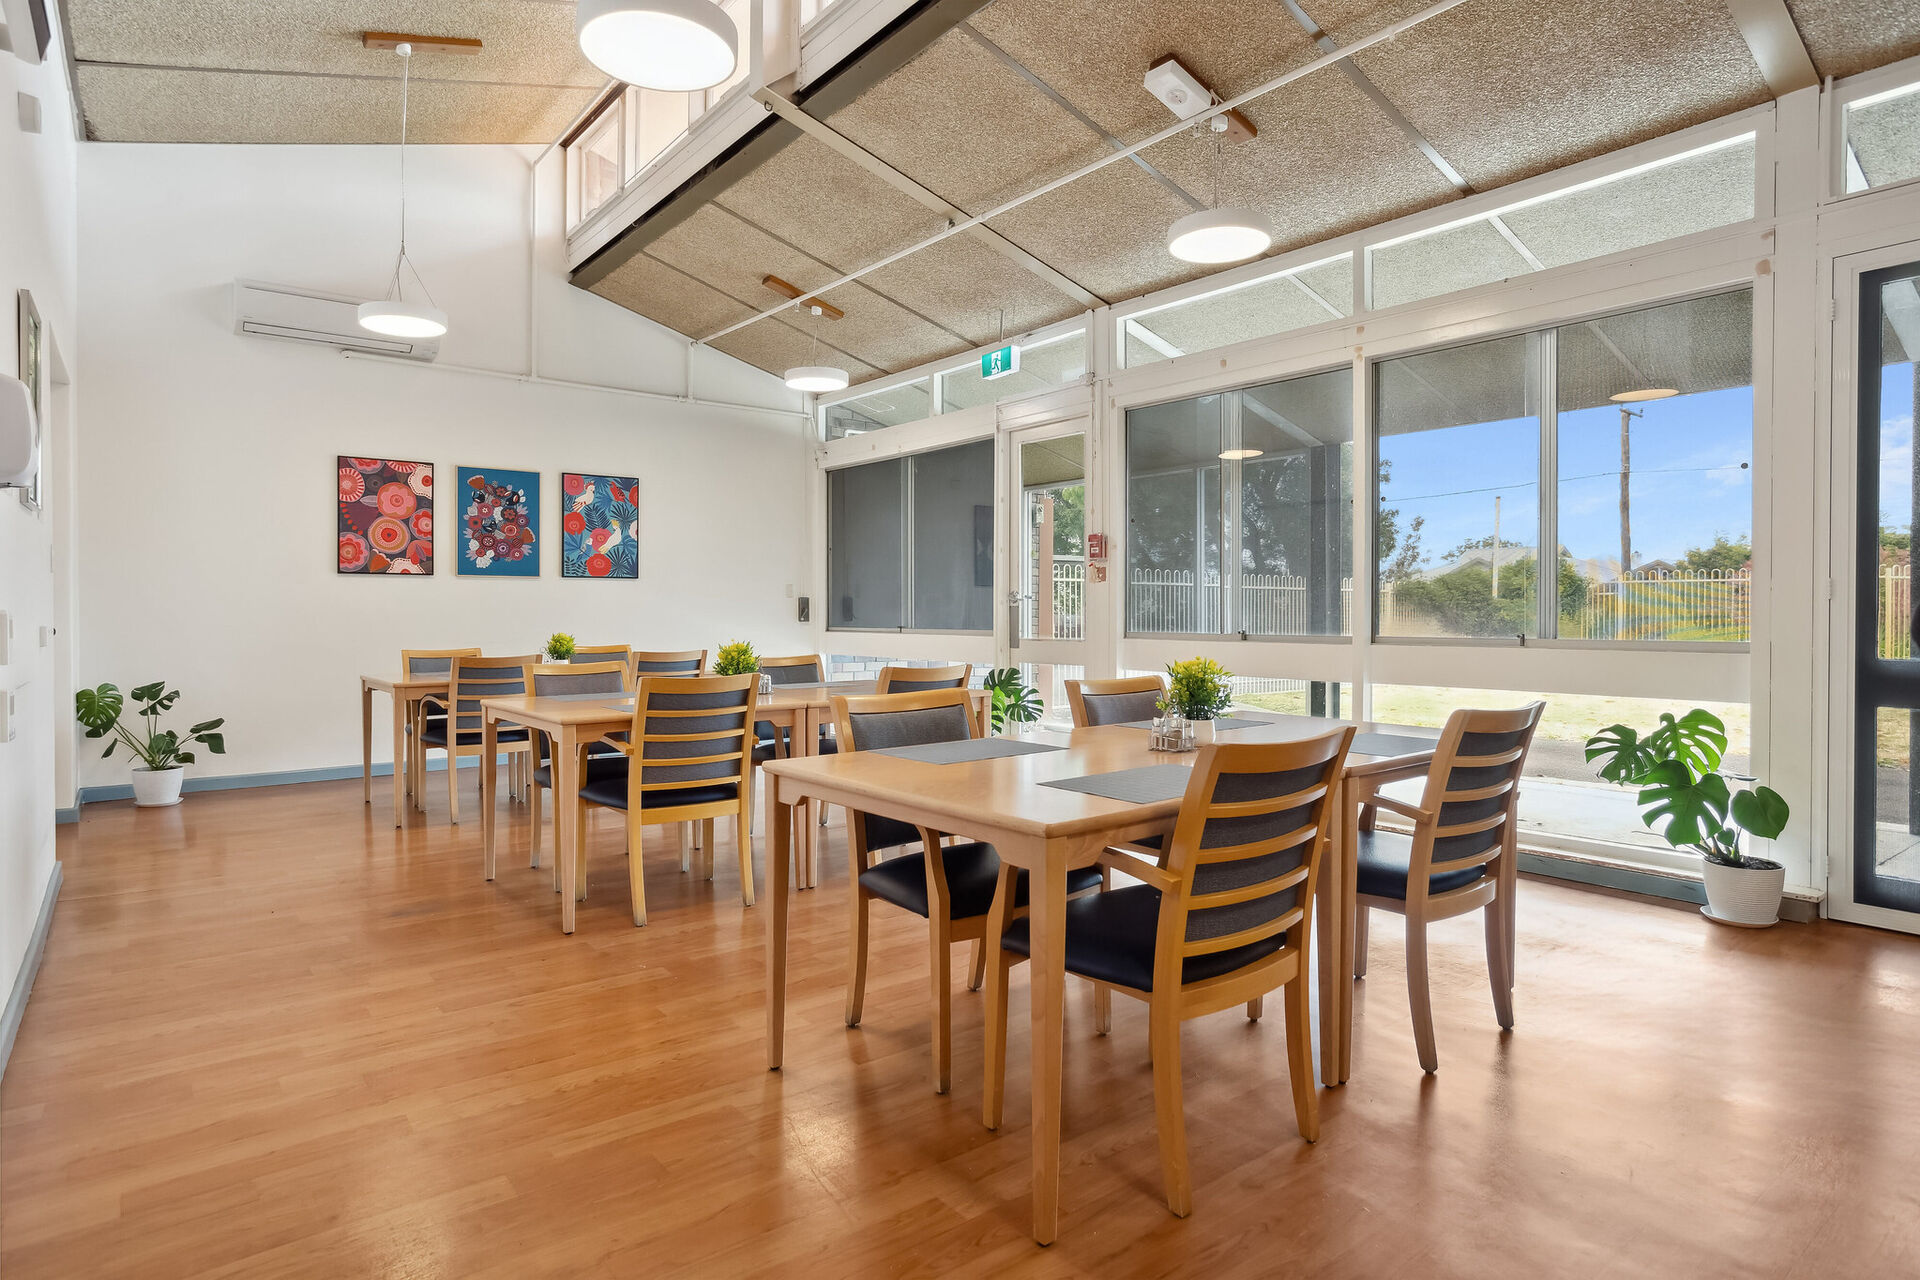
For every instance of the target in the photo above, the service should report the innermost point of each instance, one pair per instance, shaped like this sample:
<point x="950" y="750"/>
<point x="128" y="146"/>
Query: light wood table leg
<point x="366" y="743"/>
<point x="566" y="798"/>
<point x="1348" y="903"/>
<point x="489" y="784"/>
<point x="399" y="758"/>
<point x="1334" y="992"/>
<point x="779" y="849"/>
<point x="805" y="737"/>
<point x="1048" y="916"/>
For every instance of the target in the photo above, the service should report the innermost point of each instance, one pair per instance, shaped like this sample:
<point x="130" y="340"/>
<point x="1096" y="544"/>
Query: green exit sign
<point x="1000" y="363"/>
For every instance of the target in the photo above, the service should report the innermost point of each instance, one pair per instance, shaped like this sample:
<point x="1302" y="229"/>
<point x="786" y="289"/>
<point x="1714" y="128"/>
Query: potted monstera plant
<point x="1685" y="798"/>
<point x="163" y="753"/>
<point x="1013" y="700"/>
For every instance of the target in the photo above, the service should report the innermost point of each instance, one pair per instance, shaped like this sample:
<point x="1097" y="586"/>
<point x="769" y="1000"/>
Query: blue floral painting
<point x="599" y="526"/>
<point x="499" y="523"/>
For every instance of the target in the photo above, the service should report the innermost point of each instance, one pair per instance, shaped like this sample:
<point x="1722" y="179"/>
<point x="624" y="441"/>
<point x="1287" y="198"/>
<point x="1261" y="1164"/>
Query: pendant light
<point x="1642" y="394"/>
<point x="816" y="377"/>
<point x="393" y="315"/>
<point x="1219" y="235"/>
<point x="673" y="45"/>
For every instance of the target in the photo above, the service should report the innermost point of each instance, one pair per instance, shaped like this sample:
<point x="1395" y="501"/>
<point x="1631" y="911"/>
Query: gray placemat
<point x="1390" y="744"/>
<point x="1224" y="722"/>
<point x="964" y="750"/>
<point x="1147" y="785"/>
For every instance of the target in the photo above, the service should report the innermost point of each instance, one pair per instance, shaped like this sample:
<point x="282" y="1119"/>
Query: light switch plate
<point x="6" y="637"/>
<point x="6" y="717"/>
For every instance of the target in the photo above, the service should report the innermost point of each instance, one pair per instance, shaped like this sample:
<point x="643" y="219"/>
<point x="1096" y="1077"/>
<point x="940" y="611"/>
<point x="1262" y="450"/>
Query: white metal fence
<point x="1896" y="611"/>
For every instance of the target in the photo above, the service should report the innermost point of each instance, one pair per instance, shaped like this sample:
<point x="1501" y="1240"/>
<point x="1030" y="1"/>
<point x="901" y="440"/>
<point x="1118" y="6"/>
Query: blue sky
<point x="1688" y="482"/>
<point x="1896" y="446"/>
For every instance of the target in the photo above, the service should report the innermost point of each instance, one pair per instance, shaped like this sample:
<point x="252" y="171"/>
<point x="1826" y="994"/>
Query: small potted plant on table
<point x="1199" y="689"/>
<point x="559" y="647"/>
<point x="163" y="753"/>
<point x="1686" y="799"/>
<point x="737" y="658"/>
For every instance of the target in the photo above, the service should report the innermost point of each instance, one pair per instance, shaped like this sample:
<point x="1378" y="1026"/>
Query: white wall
<point x="37" y="253"/>
<point x="206" y="548"/>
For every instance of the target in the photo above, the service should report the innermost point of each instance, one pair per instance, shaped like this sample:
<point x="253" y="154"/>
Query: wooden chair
<point x="771" y="744"/>
<point x="458" y="733"/>
<point x="688" y="759"/>
<point x="668" y="662"/>
<point x="919" y="679"/>
<point x="1120" y="701"/>
<point x="548" y="679"/>
<point x="952" y="892"/>
<point x="583" y="653"/>
<point x="423" y="662"/>
<point x="1224" y="922"/>
<point x="1459" y="857"/>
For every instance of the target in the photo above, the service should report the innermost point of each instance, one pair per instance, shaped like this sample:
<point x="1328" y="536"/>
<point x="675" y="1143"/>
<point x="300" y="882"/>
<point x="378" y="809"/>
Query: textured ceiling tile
<point x="1848" y="36"/>
<point x="529" y="44"/>
<point x="1508" y="88"/>
<point x="1095" y="52"/>
<point x="1713" y="190"/>
<point x="658" y="292"/>
<point x="967" y="284"/>
<point x="132" y="105"/>
<point x="1108" y="231"/>
<point x="962" y="124"/>
<point x="776" y="346"/>
<point x="1326" y="162"/>
<point x="829" y="206"/>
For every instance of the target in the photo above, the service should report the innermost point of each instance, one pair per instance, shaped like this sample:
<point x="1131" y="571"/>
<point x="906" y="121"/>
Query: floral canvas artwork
<point x="386" y="516"/>
<point x="599" y="526"/>
<point x="499" y="523"/>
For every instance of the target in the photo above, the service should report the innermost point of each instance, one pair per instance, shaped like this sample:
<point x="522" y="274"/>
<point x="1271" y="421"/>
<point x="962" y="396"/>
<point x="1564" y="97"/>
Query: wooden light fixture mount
<point x="786" y="290"/>
<point x="390" y="40"/>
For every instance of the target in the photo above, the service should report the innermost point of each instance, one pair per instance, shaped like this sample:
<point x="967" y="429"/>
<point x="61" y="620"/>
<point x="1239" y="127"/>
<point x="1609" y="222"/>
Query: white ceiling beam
<point x="1779" y="52"/>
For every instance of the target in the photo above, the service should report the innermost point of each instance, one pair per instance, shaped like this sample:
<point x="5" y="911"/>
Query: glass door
<point x="1047" y="508"/>
<point x="1885" y="859"/>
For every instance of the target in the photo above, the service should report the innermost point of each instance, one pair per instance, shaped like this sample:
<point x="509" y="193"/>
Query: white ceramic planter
<point x="157" y="788"/>
<point x="1204" y="733"/>
<point x="1748" y="896"/>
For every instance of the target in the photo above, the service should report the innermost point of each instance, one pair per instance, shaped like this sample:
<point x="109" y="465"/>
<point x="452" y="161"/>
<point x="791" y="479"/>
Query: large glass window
<point x="1052" y="363"/>
<point x="1882" y="136"/>
<point x="910" y="542"/>
<point x="1292" y="299"/>
<point x="1239" y="511"/>
<point x="907" y="402"/>
<point x="1656" y="481"/>
<point x="1458" y="490"/>
<point x="1650" y="425"/>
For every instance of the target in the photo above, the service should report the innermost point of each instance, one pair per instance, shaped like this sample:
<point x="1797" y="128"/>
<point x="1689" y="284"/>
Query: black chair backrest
<point x="476" y="678"/>
<point x="1120" y="701"/>
<point x="877" y="721"/>
<point x="1474" y="784"/>
<point x="693" y="732"/>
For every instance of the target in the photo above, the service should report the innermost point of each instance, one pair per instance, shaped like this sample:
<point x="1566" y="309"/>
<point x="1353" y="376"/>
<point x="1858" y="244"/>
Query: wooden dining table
<point x="406" y="692"/>
<point x="571" y="721"/>
<point x="1047" y="830"/>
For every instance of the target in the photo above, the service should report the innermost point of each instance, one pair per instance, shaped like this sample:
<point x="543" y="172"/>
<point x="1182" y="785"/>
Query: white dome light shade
<point x="1239" y="455"/>
<point x="817" y="377"/>
<point x="1645" y="393"/>
<point x="673" y="45"/>
<point x="1219" y="235"/>
<point x="403" y="319"/>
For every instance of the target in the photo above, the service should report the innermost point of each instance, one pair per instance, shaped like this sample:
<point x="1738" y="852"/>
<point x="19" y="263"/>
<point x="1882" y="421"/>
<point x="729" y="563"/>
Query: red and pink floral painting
<point x="386" y="516"/>
<point x="599" y="526"/>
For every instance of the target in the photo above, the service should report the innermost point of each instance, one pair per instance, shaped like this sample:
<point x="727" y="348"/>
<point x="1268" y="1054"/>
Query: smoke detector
<point x="1186" y="95"/>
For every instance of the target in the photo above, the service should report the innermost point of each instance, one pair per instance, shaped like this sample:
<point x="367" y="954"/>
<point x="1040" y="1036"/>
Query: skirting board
<point x="1796" y="906"/>
<point x="29" y="967"/>
<point x="61" y="817"/>
<point x="284" y="777"/>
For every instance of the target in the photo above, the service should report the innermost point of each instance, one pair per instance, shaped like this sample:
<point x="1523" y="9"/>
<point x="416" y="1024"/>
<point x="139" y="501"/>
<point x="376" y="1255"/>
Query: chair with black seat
<point x="920" y="679"/>
<point x="1122" y="701"/>
<point x="688" y="758"/>
<point x="553" y="679"/>
<point x="1225" y="921"/>
<point x="805" y="668"/>
<point x="458" y="733"/>
<point x="415" y="663"/>
<point x="668" y="662"/>
<point x="1461" y="855"/>
<point x="952" y="892"/>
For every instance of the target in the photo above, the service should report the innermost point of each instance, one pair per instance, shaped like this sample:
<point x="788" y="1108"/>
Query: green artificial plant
<point x="1199" y="688"/>
<point x="1014" y="700"/>
<point x="559" y="647"/>
<point x="100" y="711"/>
<point x="1676" y="768"/>
<point x="736" y="659"/>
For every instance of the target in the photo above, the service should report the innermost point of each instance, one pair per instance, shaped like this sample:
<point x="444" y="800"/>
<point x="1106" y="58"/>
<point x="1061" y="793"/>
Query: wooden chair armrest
<point x="624" y="748"/>
<point x="434" y="698"/>
<point x="1139" y="868"/>
<point x="1402" y="808"/>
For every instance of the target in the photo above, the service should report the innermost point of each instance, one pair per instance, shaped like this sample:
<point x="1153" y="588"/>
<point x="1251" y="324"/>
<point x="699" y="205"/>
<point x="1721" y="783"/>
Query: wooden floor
<point x="275" y="1037"/>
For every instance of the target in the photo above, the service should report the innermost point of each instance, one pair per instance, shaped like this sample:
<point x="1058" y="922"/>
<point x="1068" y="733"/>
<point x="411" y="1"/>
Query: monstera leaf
<point x="1696" y="739"/>
<point x="99" y="710"/>
<point x="1761" y="811"/>
<point x="1622" y="755"/>
<point x="1694" y="812"/>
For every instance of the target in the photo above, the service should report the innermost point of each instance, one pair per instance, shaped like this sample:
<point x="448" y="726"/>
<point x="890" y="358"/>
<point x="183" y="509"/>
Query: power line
<point x="1530" y="484"/>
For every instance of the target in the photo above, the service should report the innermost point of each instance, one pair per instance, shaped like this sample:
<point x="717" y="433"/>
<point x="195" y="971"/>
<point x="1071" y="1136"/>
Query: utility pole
<point x="1626" y="471"/>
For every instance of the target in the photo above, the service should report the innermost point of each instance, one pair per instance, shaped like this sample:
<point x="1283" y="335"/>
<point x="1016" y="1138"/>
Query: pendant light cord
<point x="395" y="286"/>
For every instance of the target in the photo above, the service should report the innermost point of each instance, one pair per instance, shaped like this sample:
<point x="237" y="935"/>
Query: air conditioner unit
<point x="326" y="319"/>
